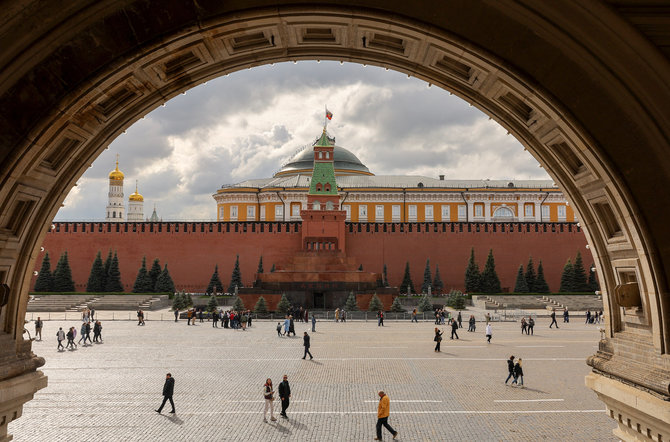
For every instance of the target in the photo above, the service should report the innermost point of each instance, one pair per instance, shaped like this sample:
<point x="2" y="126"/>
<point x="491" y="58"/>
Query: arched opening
<point x="503" y="213"/>
<point x="579" y="105"/>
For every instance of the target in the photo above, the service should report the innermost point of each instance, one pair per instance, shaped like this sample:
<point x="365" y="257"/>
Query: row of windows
<point x="412" y="209"/>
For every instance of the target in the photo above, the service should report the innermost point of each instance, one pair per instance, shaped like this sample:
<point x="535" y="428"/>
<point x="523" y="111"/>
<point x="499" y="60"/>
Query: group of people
<point x="340" y="315"/>
<point x="527" y="326"/>
<point x="594" y="318"/>
<point x="515" y="370"/>
<point x="284" y="391"/>
<point x="71" y="335"/>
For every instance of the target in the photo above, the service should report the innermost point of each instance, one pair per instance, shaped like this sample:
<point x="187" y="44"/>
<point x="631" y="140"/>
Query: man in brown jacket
<point x="383" y="410"/>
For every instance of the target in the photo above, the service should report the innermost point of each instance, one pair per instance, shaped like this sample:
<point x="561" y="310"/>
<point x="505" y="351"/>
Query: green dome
<point x="346" y="163"/>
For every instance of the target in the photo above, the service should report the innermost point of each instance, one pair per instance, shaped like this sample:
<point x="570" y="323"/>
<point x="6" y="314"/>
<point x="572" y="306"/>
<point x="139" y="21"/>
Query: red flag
<point x="329" y="114"/>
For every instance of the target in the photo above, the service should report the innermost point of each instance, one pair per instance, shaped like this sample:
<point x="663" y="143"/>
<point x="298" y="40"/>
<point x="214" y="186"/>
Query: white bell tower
<point x="115" y="206"/>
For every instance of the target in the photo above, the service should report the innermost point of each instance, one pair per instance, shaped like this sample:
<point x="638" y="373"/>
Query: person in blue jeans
<point x="518" y="374"/>
<point x="510" y="368"/>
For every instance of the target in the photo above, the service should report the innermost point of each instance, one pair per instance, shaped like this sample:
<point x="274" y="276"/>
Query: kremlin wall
<point x="192" y="249"/>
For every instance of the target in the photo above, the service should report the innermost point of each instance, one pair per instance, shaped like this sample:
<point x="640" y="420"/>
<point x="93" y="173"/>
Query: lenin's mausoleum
<point x="328" y="226"/>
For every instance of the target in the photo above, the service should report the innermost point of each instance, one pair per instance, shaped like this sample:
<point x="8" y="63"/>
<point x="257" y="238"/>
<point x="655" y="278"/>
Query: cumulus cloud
<point x="246" y="124"/>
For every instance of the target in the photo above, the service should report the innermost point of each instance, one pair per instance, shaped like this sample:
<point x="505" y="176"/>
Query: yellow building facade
<point x="392" y="198"/>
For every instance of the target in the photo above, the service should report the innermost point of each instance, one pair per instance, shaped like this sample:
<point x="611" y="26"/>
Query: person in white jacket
<point x="489" y="333"/>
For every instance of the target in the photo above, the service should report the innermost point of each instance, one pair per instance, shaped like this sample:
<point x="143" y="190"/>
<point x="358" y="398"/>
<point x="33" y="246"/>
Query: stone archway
<point x="578" y="85"/>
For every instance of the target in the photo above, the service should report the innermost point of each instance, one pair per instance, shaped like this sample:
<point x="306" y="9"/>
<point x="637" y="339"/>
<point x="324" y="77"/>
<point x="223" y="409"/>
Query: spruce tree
<point x="375" y="304"/>
<point x="215" y="285"/>
<point x="45" y="280"/>
<point x="106" y="267"/>
<point x="113" y="283"/>
<point x="164" y="283"/>
<point x="272" y="269"/>
<point x="490" y="280"/>
<point x="520" y="286"/>
<point x="284" y="305"/>
<point x="425" y="305"/>
<point x="154" y="273"/>
<point x="427" y="278"/>
<point x="593" y="281"/>
<point x="579" y="283"/>
<point x="385" y="277"/>
<point x="176" y="302"/>
<point x="63" y="275"/>
<point x="407" y="280"/>
<point x="260" y="267"/>
<point x="541" y="285"/>
<point x="530" y="276"/>
<point x="189" y="300"/>
<point x="438" y="285"/>
<point x="261" y="307"/>
<point x="96" y="279"/>
<point x="212" y="305"/>
<point x="473" y="278"/>
<point x="397" y="306"/>
<point x="235" y="277"/>
<point x="143" y="280"/>
<point x="567" y="278"/>
<point x="351" y="304"/>
<point x="238" y="304"/>
<point x="360" y="268"/>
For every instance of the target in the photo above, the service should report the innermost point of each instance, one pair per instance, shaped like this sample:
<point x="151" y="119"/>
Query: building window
<point x="412" y="212"/>
<point x="329" y="205"/>
<point x="114" y="214"/>
<point x="462" y="210"/>
<point x="316" y="205"/>
<point x="545" y="213"/>
<point x="479" y="210"/>
<point x="295" y="210"/>
<point x="327" y="187"/>
<point x="262" y="213"/>
<point x="379" y="213"/>
<point x="561" y="212"/>
<point x="363" y="212"/>
<point x="318" y="187"/>
<point x="395" y="213"/>
<point x="251" y="213"/>
<point x="326" y="155"/>
<point x="347" y="208"/>
<point x="233" y="213"/>
<point x="446" y="213"/>
<point x="504" y="213"/>
<point x="528" y="210"/>
<point x="320" y="155"/>
<point x="279" y="212"/>
<point x="428" y="210"/>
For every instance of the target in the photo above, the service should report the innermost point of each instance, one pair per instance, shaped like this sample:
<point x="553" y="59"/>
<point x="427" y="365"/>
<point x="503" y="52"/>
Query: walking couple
<point x="268" y="395"/>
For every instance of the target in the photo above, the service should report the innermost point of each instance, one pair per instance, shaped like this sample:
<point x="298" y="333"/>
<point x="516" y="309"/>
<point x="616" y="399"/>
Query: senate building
<point x="370" y="198"/>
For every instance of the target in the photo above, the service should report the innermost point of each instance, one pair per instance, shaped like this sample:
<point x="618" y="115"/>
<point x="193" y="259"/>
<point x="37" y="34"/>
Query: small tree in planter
<point x="375" y="304"/>
<point x="283" y="305"/>
<point x="238" y="305"/>
<point x="520" y="286"/>
<point x="261" y="307"/>
<point x="397" y="306"/>
<point x="425" y="305"/>
<point x="212" y="305"/>
<point x="351" y="304"/>
<point x="456" y="300"/>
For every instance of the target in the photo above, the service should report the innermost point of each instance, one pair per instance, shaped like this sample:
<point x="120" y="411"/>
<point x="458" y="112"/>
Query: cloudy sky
<point x="246" y="124"/>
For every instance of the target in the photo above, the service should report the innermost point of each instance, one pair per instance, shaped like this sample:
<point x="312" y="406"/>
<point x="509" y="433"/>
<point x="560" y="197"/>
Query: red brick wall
<point x="191" y="255"/>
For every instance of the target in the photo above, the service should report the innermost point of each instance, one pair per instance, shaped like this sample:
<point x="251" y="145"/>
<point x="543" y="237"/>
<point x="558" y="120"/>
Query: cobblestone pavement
<point x="108" y="391"/>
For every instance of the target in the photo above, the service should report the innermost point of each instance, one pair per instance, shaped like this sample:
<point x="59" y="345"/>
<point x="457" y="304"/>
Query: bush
<point x="397" y="306"/>
<point x="425" y="305"/>
<point x="283" y="305"/>
<point x="261" y="307"/>
<point x="351" y="304"/>
<point x="238" y="304"/>
<point x="375" y="304"/>
<point x="456" y="300"/>
<point x="212" y="305"/>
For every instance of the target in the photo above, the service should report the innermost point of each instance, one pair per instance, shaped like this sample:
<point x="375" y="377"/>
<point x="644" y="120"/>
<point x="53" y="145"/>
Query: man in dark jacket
<point x="284" y="395"/>
<point x="168" y="390"/>
<point x="510" y="368"/>
<point x="454" y="329"/>
<point x="305" y="342"/>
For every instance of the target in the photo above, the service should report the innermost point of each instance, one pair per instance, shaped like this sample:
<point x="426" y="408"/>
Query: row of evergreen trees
<point x="574" y="277"/>
<point x="407" y="286"/>
<point x="156" y="280"/>
<point x="529" y="281"/>
<point x="215" y="285"/>
<point x="59" y="281"/>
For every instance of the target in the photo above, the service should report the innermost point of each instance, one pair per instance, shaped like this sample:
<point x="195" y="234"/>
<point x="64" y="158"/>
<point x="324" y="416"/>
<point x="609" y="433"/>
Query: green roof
<point x="324" y="140"/>
<point x="324" y="173"/>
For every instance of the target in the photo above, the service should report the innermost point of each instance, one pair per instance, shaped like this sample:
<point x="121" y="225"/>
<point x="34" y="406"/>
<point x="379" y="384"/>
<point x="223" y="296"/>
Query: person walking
<point x="488" y="318"/>
<point x="588" y="316"/>
<point x="454" y="329"/>
<point x="60" y="336"/>
<point x="518" y="374"/>
<point x="215" y="319"/>
<point x="287" y="325"/>
<point x="83" y="333"/>
<point x="176" y="315"/>
<point x="291" y="325"/>
<point x="553" y="318"/>
<point x="268" y="395"/>
<point x="189" y="316"/>
<point x="383" y="411"/>
<point x="97" y="328"/>
<point x="460" y="320"/>
<point x="524" y="325"/>
<point x="38" y="328"/>
<point x="168" y="391"/>
<point x="313" y="323"/>
<point x="88" y="333"/>
<point x="531" y="325"/>
<point x="70" y="339"/>
<point x="414" y="316"/>
<point x="284" y="395"/>
<point x="566" y="315"/>
<point x="437" y="339"/>
<point x="380" y="316"/>
<point x="510" y="368"/>
<point x="306" y="344"/>
<point x="471" y="322"/>
<point x="489" y="333"/>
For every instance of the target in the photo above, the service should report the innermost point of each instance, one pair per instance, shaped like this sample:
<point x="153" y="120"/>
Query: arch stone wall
<point x="577" y="83"/>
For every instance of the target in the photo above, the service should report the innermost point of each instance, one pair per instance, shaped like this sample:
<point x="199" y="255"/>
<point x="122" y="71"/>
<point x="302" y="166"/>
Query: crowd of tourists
<point x="71" y="334"/>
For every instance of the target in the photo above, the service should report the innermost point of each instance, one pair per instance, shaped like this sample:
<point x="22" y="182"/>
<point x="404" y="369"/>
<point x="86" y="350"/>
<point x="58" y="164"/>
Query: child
<point x="279" y="329"/>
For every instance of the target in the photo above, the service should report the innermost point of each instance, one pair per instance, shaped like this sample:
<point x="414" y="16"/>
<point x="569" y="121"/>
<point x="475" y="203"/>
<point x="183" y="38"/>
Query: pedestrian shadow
<point x="296" y="424"/>
<point x="173" y="418"/>
<point x="315" y="362"/>
<point x="534" y="390"/>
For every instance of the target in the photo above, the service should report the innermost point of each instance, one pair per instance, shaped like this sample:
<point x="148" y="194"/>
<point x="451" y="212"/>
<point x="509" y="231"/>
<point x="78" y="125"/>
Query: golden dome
<point x="116" y="174"/>
<point x="136" y="195"/>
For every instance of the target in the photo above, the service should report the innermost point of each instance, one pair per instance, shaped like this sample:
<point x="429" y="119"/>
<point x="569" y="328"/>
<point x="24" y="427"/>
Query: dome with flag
<point x="346" y="163"/>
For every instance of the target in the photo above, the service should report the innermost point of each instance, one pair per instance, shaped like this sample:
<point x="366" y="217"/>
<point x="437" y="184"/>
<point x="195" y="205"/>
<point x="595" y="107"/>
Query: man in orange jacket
<point x="383" y="411"/>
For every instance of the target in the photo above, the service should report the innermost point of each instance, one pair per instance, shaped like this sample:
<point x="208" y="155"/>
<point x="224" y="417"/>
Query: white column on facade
<point x="487" y="210"/>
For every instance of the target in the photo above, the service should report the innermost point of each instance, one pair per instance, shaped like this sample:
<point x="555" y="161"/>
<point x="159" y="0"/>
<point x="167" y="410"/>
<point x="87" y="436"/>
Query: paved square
<point x="108" y="392"/>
